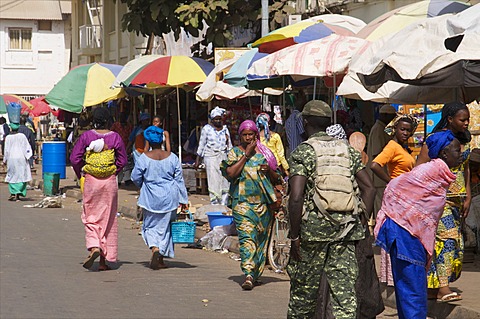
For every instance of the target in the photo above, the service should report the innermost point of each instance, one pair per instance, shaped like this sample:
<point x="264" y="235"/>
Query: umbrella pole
<point x="314" y="87"/>
<point x="155" y="102"/>
<point x="179" y="128"/>
<point x="250" y="104"/>
<point x="334" y="99"/>
<point x="283" y="96"/>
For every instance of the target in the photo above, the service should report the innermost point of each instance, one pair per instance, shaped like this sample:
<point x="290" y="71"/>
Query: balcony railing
<point x="90" y="36"/>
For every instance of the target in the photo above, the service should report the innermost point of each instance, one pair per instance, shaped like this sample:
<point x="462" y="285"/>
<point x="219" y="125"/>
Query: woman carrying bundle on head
<point x="449" y="245"/>
<point x="250" y="168"/>
<point x="159" y="175"/>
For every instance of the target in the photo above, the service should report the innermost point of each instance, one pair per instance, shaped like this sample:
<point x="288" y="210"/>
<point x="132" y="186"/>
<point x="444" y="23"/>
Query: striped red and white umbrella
<point x="325" y="57"/>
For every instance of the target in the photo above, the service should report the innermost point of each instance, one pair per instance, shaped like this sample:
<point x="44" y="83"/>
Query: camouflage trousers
<point x="337" y="260"/>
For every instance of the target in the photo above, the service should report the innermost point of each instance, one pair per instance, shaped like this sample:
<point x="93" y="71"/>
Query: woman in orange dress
<point x="397" y="156"/>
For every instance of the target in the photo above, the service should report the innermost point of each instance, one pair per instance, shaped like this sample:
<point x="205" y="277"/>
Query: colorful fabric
<point x="396" y="158"/>
<point x="18" y="188"/>
<point x="250" y="192"/>
<point x="212" y="141"/>
<point x="162" y="188"/>
<point x="153" y="134"/>
<point x="99" y="215"/>
<point x="438" y="141"/>
<point x="100" y="164"/>
<point x="113" y="142"/>
<point x="317" y="228"/>
<point x="338" y="262"/>
<point x="447" y="261"/>
<point x="263" y="120"/>
<point x="86" y="85"/>
<point x="266" y="152"/>
<point x="414" y="201"/>
<point x="156" y="231"/>
<point x="275" y="145"/>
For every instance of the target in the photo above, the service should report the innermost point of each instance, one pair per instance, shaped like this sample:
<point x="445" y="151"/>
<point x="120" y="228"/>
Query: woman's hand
<point x="250" y="148"/>
<point x="184" y="207"/>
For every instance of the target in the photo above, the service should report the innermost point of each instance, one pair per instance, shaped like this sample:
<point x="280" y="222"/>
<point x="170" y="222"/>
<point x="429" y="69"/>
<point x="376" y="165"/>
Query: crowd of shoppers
<point x="331" y="199"/>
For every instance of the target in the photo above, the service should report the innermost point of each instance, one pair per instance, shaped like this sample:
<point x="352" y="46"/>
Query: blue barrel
<point x="54" y="157"/>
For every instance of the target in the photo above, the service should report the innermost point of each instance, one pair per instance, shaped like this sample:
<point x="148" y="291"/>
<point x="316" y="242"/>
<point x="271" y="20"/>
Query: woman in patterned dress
<point x="449" y="246"/>
<point x="250" y="168"/>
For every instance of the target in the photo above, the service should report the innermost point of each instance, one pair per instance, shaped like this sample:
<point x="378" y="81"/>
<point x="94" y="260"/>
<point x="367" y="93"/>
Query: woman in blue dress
<point x="159" y="175"/>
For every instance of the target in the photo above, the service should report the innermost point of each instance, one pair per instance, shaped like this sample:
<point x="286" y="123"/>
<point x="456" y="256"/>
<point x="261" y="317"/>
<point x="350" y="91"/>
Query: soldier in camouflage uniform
<point x="315" y="247"/>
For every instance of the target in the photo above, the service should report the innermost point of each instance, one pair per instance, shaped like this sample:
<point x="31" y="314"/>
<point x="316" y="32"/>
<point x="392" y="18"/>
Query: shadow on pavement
<point x="263" y="279"/>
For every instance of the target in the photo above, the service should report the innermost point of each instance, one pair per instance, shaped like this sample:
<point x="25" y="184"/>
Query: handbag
<point x="279" y="193"/>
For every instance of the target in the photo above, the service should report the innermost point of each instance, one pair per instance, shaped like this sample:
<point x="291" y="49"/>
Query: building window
<point x="44" y="25"/>
<point x="20" y="39"/>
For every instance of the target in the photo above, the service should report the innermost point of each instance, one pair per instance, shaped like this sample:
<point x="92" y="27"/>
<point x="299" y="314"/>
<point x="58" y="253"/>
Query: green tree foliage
<point x="156" y="17"/>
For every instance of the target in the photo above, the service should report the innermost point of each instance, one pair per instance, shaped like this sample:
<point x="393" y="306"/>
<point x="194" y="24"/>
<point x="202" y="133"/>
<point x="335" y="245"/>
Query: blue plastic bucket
<point x="51" y="183"/>
<point x="14" y="110"/>
<point x="218" y="219"/>
<point x="54" y="158"/>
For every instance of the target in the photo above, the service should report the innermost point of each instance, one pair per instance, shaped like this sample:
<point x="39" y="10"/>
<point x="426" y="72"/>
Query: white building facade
<point x="35" y="41"/>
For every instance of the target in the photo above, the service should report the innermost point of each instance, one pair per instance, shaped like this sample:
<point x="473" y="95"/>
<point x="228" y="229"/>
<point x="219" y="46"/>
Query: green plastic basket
<point x="183" y="231"/>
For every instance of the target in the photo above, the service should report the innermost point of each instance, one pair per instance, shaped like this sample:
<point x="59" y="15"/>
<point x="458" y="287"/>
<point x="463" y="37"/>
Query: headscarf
<point x="438" y="141"/>
<point x="250" y="125"/>
<point x="144" y="116"/>
<point x="217" y="111"/>
<point x="153" y="134"/>
<point x="450" y="109"/>
<point x="337" y="131"/>
<point x="262" y="120"/>
<point x="409" y="118"/>
<point x="14" y="126"/>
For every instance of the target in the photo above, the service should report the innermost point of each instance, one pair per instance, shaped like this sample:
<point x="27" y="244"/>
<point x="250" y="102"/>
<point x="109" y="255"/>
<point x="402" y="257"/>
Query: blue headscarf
<point x="153" y="134"/>
<point x="438" y="141"/>
<point x="262" y="120"/>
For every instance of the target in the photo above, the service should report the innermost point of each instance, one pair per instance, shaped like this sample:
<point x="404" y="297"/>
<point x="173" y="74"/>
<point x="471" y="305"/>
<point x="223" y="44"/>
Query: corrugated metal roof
<point x="66" y="6"/>
<point x="34" y="9"/>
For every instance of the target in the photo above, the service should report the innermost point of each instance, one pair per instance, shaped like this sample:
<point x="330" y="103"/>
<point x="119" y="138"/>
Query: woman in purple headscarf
<point x="250" y="168"/>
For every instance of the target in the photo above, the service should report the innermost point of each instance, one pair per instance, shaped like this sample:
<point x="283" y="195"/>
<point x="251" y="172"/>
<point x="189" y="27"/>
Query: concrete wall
<point x="36" y="71"/>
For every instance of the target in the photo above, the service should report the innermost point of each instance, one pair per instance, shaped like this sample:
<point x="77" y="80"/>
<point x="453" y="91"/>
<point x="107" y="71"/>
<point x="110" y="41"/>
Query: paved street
<point x="41" y="251"/>
<point x="42" y="277"/>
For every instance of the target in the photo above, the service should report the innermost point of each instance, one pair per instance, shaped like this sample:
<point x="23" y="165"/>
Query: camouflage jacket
<point x="317" y="228"/>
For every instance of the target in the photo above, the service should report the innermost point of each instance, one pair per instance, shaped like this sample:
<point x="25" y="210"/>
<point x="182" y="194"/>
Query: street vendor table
<point x="189" y="179"/>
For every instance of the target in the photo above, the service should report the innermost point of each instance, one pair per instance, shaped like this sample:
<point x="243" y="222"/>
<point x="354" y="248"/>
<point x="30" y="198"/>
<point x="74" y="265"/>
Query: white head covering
<point x="97" y="145"/>
<point x="337" y="131"/>
<point x="217" y="111"/>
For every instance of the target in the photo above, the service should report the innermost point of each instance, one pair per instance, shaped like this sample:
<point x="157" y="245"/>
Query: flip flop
<point x="155" y="261"/>
<point x="88" y="263"/>
<point x="450" y="297"/>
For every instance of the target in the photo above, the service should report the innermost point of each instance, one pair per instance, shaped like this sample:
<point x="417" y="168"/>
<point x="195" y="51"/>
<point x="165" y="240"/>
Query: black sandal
<point x="248" y="284"/>
<point x="12" y="198"/>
